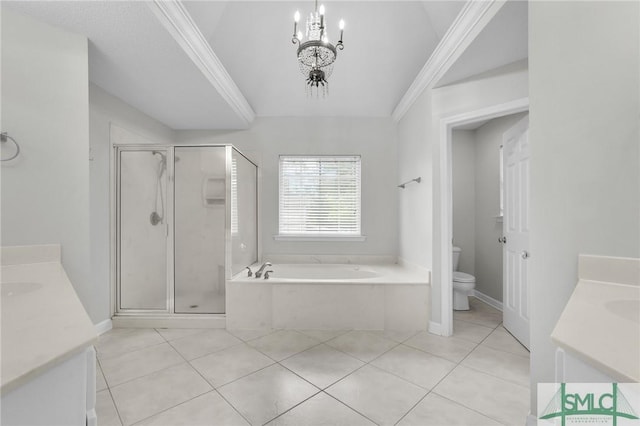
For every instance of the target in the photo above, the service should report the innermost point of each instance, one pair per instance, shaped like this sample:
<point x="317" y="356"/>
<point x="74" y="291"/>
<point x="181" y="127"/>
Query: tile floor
<point x="197" y="377"/>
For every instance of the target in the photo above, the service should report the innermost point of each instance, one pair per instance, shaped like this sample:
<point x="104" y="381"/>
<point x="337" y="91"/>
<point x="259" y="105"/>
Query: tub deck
<point x="394" y="298"/>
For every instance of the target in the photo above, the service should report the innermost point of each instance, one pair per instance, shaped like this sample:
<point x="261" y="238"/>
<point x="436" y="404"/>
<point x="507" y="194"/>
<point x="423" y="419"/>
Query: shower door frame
<point x="169" y="311"/>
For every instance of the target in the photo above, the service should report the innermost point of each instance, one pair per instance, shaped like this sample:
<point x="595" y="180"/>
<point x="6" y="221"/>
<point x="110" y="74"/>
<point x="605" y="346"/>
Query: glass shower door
<point x="244" y="212"/>
<point x="200" y="194"/>
<point x="142" y="230"/>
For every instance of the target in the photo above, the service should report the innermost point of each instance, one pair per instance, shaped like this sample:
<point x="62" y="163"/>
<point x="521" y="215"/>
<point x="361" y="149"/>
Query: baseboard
<point x="488" y="300"/>
<point x="435" y="328"/>
<point x="175" y="321"/>
<point x="103" y="326"/>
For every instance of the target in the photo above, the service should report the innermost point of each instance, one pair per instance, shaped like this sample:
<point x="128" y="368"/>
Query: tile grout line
<point x="105" y="357"/>
<point x="397" y="343"/>
<point x="323" y="390"/>
<point x="432" y="390"/>
<point x="447" y="375"/>
<point x="169" y="408"/>
<point x="484" y="372"/>
<point x="362" y="360"/>
<point x="213" y="388"/>
<point x="147" y="374"/>
<point x="113" y="401"/>
<point x="162" y="369"/>
<point x="469" y="408"/>
<point x="289" y="409"/>
<point x="368" y="363"/>
<point x="345" y="404"/>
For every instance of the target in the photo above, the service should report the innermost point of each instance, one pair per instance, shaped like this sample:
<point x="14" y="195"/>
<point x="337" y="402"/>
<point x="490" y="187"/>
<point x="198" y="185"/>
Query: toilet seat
<point x="462" y="277"/>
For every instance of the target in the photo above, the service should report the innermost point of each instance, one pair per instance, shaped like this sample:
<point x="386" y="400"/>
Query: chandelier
<point x="316" y="55"/>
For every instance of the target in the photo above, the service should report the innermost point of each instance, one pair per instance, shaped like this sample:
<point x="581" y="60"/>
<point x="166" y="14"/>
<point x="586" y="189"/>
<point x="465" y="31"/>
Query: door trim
<point x="445" y="200"/>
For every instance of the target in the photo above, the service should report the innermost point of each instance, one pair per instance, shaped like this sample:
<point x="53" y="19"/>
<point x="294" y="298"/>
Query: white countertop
<point x="43" y="321"/>
<point x="601" y="322"/>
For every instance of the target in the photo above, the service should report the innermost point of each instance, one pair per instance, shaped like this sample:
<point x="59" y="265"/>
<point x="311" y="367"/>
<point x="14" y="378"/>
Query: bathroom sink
<point x="627" y="309"/>
<point x="17" y="288"/>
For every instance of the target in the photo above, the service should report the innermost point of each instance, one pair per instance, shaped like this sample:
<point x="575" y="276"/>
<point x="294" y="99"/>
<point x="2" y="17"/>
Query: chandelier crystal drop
<point x="316" y="54"/>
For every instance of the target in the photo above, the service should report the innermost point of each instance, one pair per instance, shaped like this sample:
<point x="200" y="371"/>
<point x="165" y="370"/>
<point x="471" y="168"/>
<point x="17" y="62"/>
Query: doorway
<point x="447" y="125"/>
<point x="481" y="235"/>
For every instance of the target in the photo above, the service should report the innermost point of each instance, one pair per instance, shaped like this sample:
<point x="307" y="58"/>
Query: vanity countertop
<point x="601" y="321"/>
<point x="43" y="321"/>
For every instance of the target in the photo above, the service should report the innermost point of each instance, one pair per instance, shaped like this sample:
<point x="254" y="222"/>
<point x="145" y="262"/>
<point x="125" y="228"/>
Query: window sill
<point x="319" y="238"/>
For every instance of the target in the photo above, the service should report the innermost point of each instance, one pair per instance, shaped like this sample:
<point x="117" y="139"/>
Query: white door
<point x="515" y="252"/>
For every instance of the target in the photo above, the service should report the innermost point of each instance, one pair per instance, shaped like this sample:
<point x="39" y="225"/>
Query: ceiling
<point x="503" y="41"/>
<point x="133" y="56"/>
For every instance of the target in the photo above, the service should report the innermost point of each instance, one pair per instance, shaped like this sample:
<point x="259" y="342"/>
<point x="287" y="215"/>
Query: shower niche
<point x="185" y="221"/>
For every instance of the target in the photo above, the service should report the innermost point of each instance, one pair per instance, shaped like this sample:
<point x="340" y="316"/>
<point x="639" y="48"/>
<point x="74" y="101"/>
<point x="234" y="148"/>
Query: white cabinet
<point x="64" y="394"/>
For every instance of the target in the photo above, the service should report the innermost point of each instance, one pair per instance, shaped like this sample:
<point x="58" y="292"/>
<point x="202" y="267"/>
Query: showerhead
<point x="162" y="156"/>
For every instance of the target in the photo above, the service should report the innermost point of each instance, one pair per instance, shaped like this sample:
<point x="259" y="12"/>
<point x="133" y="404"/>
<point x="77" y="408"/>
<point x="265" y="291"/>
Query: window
<point x="320" y="196"/>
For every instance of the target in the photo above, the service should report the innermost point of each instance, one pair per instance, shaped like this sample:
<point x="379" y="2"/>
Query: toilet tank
<point x="456" y="257"/>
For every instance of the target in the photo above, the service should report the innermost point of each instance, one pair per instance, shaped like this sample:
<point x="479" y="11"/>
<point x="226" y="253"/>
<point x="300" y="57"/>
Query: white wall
<point x="584" y="152"/>
<point x="415" y="204"/>
<point x="488" y="252"/>
<point x="45" y="104"/>
<point x="105" y="110"/>
<point x="418" y="153"/>
<point x="463" y="155"/>
<point x="372" y="138"/>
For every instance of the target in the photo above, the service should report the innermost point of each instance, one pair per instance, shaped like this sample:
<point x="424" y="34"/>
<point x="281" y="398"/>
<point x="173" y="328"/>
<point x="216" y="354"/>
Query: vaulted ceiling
<point x="222" y="62"/>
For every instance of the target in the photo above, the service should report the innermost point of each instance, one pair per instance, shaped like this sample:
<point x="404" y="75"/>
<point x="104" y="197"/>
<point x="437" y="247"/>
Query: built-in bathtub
<point x="330" y="296"/>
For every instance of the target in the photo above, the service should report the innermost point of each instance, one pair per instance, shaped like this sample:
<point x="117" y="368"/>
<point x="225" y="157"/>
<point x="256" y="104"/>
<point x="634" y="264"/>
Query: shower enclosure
<point x="186" y="220"/>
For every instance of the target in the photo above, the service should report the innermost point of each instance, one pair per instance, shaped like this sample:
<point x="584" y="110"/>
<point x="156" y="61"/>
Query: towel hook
<point x="4" y="137"/>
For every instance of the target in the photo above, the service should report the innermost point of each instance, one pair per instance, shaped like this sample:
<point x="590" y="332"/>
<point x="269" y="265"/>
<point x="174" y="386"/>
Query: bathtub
<point x="319" y="272"/>
<point x="330" y="297"/>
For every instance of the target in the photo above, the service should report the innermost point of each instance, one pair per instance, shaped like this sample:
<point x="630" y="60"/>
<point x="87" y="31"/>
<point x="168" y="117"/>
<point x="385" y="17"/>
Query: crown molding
<point x="471" y="20"/>
<point x="177" y="21"/>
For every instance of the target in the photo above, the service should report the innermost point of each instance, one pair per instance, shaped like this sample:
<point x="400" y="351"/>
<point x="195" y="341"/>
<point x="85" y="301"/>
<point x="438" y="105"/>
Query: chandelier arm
<point x="316" y="55"/>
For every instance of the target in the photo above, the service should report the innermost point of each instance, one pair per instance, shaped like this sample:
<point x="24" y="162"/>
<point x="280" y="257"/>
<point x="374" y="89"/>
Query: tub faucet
<point x="258" y="273"/>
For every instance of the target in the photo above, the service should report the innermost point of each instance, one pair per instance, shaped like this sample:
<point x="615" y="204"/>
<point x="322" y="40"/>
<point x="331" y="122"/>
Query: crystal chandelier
<point x="316" y="55"/>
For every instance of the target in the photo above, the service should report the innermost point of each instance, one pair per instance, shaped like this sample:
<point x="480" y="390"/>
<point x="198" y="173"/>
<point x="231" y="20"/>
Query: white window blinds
<point x="320" y="195"/>
<point x="234" y="197"/>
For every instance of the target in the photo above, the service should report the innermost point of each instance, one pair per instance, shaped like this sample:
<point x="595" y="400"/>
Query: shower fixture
<point x="156" y="218"/>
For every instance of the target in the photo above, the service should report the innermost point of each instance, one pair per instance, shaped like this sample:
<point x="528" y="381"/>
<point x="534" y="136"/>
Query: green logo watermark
<point x="592" y="403"/>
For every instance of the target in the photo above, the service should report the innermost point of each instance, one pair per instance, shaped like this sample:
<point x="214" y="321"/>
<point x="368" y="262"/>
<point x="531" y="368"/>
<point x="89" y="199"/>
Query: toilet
<point x="462" y="284"/>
